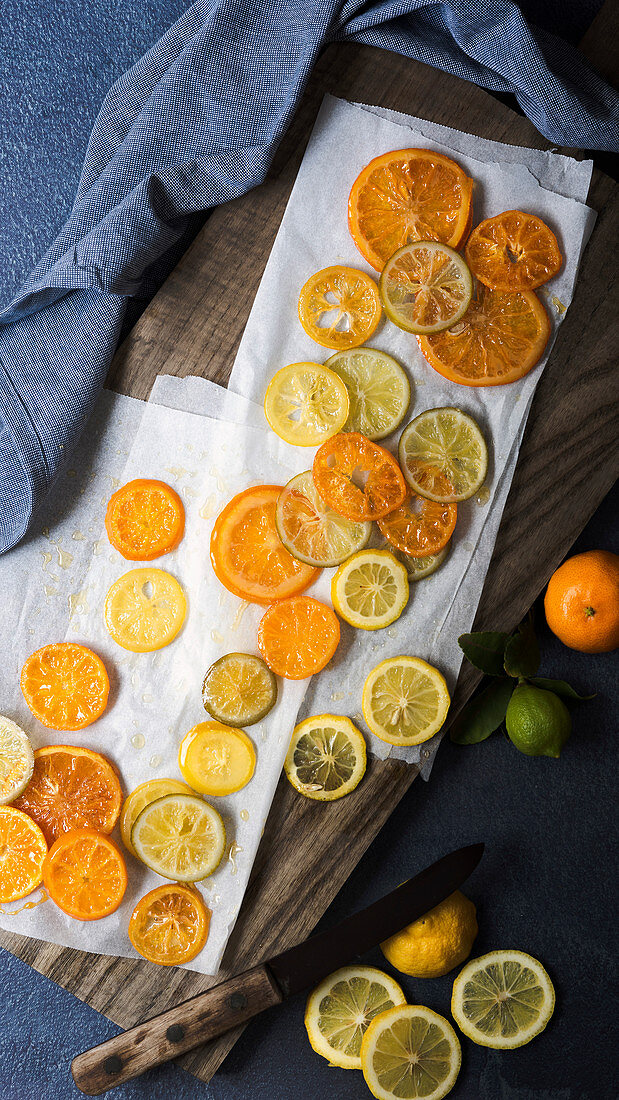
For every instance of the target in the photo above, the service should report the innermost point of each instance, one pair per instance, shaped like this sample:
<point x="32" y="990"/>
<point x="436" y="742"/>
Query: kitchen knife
<point x="236" y="1000"/>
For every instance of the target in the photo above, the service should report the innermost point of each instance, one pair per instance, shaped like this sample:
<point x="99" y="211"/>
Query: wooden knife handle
<point x="173" y="1032"/>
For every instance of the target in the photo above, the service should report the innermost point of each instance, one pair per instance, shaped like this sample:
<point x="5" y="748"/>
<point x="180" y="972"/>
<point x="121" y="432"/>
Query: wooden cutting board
<point x="567" y="464"/>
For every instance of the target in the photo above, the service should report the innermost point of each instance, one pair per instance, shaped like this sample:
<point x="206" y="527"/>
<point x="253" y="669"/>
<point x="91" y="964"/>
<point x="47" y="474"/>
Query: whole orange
<point x="582" y="602"/>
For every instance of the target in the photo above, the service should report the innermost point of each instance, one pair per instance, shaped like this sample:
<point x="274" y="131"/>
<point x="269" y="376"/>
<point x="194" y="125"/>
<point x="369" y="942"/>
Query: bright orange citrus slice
<point x="500" y="339"/>
<point x="298" y="637"/>
<point x="513" y="251"/>
<point x="85" y="874"/>
<point x="247" y="553"/>
<point x="339" y="307"/>
<point x="65" y="685"/>
<point x="71" y="788"/>
<point x="22" y="853"/>
<point x="357" y="478"/>
<point x="419" y="527"/>
<point x="169" y="925"/>
<point x="145" y="519"/>
<point x="408" y="195"/>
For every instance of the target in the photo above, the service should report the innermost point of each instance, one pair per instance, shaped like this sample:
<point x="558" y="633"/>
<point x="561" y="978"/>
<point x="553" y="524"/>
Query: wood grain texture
<point x="567" y="464"/>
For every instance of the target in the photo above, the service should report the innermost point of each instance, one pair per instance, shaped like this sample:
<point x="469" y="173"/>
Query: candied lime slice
<point x="425" y="287"/>
<point x="239" y="689"/>
<point x="443" y="455"/>
<point x="310" y="530"/>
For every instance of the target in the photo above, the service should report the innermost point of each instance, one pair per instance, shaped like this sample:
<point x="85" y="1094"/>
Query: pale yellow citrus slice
<point x="16" y="760"/>
<point x="326" y="757"/>
<point x="503" y="999"/>
<point x="443" y="455"/>
<point x="405" y="700"/>
<point x="239" y="689"/>
<point x="145" y="609"/>
<point x="370" y="590"/>
<point x="339" y="307"/>
<point x="425" y="287"/>
<point x="180" y="837"/>
<point x="306" y="403"/>
<point x="378" y="389"/>
<point x="310" y="530"/>
<point x="216" y="759"/>
<point x="341" y="1008"/>
<point x="140" y="797"/>
<point x="410" y="1052"/>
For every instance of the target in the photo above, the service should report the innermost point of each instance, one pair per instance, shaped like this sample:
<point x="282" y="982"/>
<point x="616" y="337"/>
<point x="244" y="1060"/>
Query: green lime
<point x="537" y="721"/>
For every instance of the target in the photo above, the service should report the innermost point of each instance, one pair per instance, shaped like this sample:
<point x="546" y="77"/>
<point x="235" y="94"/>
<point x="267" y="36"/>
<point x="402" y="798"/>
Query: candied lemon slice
<point x="16" y="760"/>
<point x="425" y="287"/>
<point x="370" y="590"/>
<point x="310" y="530"/>
<point x="410" y="1052"/>
<point x="326" y="757"/>
<point x="216" y="759"/>
<point x="443" y="455"/>
<point x="339" y="1011"/>
<point x="180" y="837"/>
<point x="239" y="689"/>
<point x="503" y="999"/>
<point x="405" y="700"/>
<point x="306" y="403"/>
<point x="145" y="609"/>
<point x="378" y="390"/>
<point x="140" y="797"/>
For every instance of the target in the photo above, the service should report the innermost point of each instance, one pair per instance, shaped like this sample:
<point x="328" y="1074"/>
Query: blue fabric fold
<point x="195" y="123"/>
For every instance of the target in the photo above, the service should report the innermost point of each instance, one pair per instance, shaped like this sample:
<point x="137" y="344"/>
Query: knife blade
<point x="236" y="1000"/>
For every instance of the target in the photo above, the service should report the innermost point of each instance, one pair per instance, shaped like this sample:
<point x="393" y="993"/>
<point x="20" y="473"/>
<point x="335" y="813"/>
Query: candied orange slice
<point x="500" y="339"/>
<point x="513" y="251"/>
<point x="169" y="925"/>
<point x="85" y="874"/>
<point x="357" y="478"/>
<point x="247" y="553"/>
<point x="71" y="788"/>
<point x="339" y="307"/>
<point x="22" y="853"/>
<point x="145" y="519"/>
<point x="65" y="685"/>
<point x="298" y="637"/>
<point x="419" y="526"/>
<point x="408" y="195"/>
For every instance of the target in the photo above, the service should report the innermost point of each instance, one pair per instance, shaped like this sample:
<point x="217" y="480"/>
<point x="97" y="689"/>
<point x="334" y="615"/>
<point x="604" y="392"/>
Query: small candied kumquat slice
<point x="65" y="685"/>
<point x="169" y="925"/>
<point x="71" y="788"/>
<point x="145" y="519"/>
<point x="22" y="852"/>
<point x="340" y="307"/>
<point x="85" y="874"/>
<point x="247" y="554"/>
<point x="298" y="637"/>
<point x="513" y="251"/>
<point x="419" y="527"/>
<point x="358" y="478"/>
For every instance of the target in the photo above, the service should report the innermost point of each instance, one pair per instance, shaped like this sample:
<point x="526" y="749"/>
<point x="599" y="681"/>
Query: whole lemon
<point x="537" y="721"/>
<point x="437" y="942"/>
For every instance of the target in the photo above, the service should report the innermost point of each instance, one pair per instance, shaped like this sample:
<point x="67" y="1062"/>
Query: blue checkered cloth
<point x="195" y="123"/>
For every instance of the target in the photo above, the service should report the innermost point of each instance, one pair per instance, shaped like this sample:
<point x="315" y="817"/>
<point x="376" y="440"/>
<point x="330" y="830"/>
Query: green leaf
<point x="483" y="715"/>
<point x="522" y="651"/>
<point x="485" y="649"/>
<point x="561" y="688"/>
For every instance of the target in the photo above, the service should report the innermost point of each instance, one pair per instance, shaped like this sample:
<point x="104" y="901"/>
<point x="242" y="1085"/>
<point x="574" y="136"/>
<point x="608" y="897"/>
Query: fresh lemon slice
<point x="140" y="797"/>
<point x="239" y="689"/>
<point x="370" y="590"/>
<point x="216" y="759"/>
<point x="145" y="609"/>
<point x="340" y="1009"/>
<point x="443" y="455"/>
<point x="16" y="760"/>
<point x="313" y="532"/>
<point x="405" y="700"/>
<point x="326" y="757"/>
<point x="306" y="404"/>
<point x="425" y="287"/>
<point x="180" y="837"/>
<point x="502" y="1000"/>
<point x="410" y="1052"/>
<point x="378" y="390"/>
